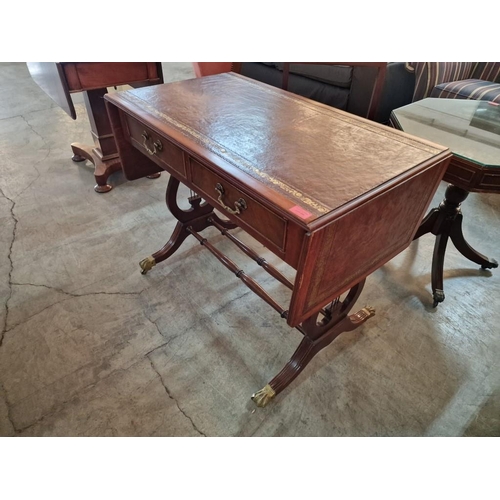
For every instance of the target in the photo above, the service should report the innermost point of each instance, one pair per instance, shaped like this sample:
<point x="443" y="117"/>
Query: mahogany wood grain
<point x="358" y="253"/>
<point x="102" y="134"/>
<point x="144" y="138"/>
<point x="472" y="177"/>
<point x="133" y="162"/>
<point x="270" y="227"/>
<point x="83" y="76"/>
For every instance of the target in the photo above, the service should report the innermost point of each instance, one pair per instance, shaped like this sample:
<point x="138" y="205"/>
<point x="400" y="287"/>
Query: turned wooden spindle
<point x="249" y="282"/>
<point x="253" y="255"/>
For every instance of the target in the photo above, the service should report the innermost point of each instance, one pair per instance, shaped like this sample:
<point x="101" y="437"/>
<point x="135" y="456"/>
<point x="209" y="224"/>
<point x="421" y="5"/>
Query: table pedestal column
<point x="104" y="156"/>
<point x="446" y="222"/>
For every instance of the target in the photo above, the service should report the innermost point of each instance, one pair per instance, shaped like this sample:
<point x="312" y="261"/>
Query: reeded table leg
<point x="317" y="335"/>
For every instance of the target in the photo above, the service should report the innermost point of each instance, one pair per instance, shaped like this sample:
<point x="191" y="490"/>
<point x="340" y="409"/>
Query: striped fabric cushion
<point x="479" y="90"/>
<point x="430" y="74"/>
<point x="487" y="71"/>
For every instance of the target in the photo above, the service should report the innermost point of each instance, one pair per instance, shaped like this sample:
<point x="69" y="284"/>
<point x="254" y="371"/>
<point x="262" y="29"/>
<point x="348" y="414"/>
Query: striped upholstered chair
<point x="453" y="80"/>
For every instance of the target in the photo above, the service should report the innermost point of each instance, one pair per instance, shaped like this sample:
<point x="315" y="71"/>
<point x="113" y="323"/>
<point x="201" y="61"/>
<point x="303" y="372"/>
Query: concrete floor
<point x="90" y="347"/>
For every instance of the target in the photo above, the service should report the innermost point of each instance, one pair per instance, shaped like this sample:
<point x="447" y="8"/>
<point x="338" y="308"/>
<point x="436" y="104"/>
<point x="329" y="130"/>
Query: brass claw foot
<point x="147" y="264"/>
<point x="362" y="315"/>
<point x="262" y="397"/>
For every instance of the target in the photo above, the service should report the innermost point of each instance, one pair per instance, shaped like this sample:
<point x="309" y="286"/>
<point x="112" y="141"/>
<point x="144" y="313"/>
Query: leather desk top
<point x="298" y="153"/>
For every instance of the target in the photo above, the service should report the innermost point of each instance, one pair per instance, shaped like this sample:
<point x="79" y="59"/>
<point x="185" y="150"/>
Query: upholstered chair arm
<point x="430" y="74"/>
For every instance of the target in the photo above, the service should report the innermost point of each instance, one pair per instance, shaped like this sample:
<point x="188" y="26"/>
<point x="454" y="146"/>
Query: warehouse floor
<point x="90" y="347"/>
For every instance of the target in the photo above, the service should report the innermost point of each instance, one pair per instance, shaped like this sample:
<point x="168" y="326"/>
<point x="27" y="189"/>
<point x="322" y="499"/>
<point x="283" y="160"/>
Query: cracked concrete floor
<point x="90" y="347"/>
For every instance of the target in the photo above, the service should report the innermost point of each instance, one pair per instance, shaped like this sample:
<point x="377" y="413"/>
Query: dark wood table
<point x="471" y="129"/>
<point x="59" y="80"/>
<point x="333" y="195"/>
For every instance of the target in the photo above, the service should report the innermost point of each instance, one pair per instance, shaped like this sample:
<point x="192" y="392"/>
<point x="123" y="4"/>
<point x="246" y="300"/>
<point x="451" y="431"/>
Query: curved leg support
<point x="317" y="335"/>
<point x="175" y="241"/>
<point x="465" y="249"/>
<point x="82" y="152"/>
<point x="197" y="209"/>
<point x="197" y="218"/>
<point x="102" y="169"/>
<point x="428" y="223"/>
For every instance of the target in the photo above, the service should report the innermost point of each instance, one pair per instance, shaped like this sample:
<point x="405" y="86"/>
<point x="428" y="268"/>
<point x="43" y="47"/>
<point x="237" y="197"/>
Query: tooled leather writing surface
<point x="318" y="157"/>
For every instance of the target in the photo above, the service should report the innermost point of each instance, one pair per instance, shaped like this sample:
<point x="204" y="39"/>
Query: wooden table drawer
<point x="254" y="215"/>
<point x="163" y="152"/>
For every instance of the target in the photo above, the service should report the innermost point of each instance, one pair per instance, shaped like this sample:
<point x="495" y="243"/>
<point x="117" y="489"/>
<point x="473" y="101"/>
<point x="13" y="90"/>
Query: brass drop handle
<point x="239" y="205"/>
<point x="157" y="145"/>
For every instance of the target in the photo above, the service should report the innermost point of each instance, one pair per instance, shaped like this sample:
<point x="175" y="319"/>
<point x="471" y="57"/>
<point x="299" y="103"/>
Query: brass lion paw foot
<point x="262" y="397"/>
<point x="147" y="264"/>
<point x="362" y="315"/>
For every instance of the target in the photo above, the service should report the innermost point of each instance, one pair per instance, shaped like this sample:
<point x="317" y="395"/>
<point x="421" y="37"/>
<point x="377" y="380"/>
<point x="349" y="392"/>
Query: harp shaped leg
<point x="196" y="217"/>
<point x="318" y="333"/>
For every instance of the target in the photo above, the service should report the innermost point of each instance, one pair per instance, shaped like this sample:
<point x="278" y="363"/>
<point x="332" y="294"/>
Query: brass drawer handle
<point x="239" y="205"/>
<point x="157" y="145"/>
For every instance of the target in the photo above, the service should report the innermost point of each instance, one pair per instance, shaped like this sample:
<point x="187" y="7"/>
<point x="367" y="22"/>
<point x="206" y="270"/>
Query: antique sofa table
<point x="333" y="195"/>
<point x="471" y="129"/>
